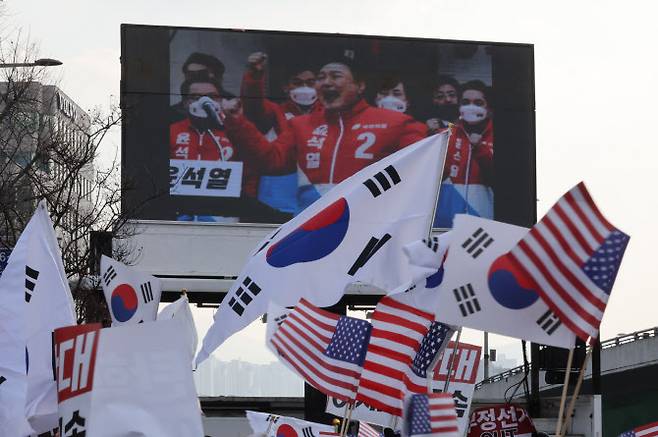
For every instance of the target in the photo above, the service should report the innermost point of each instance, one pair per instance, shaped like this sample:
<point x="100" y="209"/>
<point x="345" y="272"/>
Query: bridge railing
<point x="607" y="344"/>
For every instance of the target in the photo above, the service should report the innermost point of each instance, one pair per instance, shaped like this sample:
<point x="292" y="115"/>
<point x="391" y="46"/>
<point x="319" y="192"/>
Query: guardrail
<point x="502" y="376"/>
<point x="606" y="344"/>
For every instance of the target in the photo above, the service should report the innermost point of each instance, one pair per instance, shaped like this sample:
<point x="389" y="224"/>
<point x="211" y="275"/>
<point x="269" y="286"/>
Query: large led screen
<point x="234" y="126"/>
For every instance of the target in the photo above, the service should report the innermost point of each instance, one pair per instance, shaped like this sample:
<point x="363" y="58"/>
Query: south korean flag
<point x="353" y="233"/>
<point x="480" y="290"/>
<point x="132" y="296"/>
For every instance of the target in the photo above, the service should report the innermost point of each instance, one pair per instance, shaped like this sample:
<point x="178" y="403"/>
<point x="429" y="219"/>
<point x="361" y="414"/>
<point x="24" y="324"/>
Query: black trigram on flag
<point x="308" y="432"/>
<point x="147" y="292"/>
<point x="246" y="293"/>
<point x="2" y="379"/>
<point x="269" y="240"/>
<point x="549" y="322"/>
<point x="272" y="418"/>
<point x="279" y="320"/>
<point x="468" y="303"/>
<point x="373" y="245"/>
<point x="412" y="287"/>
<point x="31" y="277"/>
<point x="477" y="242"/>
<point x="109" y="275"/>
<point x="382" y="181"/>
<point x="432" y="243"/>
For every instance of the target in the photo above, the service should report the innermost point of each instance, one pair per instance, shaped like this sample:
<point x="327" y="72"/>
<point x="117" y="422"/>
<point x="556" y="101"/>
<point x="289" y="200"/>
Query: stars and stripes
<point x="573" y="255"/>
<point x="431" y="346"/>
<point x="397" y="333"/>
<point x="366" y="430"/>
<point x="431" y="416"/>
<point x="326" y="349"/>
<point x="648" y="430"/>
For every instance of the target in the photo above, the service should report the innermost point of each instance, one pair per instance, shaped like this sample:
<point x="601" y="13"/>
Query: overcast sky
<point x="596" y="95"/>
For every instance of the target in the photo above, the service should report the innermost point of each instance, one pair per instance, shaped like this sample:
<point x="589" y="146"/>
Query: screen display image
<point x="253" y="126"/>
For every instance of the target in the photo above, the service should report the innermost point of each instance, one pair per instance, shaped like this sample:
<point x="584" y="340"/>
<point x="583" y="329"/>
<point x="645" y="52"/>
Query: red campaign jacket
<point x="466" y="164"/>
<point x="264" y="113"/>
<point x="186" y="142"/>
<point x="329" y="147"/>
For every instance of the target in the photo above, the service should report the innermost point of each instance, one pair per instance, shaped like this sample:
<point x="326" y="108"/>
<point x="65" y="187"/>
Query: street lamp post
<point x="43" y="62"/>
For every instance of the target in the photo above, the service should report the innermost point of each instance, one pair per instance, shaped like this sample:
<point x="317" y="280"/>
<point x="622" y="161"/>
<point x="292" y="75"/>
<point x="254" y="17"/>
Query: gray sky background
<point x="596" y="95"/>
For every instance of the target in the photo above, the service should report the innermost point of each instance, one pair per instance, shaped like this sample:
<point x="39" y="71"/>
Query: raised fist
<point x="257" y="61"/>
<point x="232" y="107"/>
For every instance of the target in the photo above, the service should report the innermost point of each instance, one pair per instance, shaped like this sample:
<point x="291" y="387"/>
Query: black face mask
<point x="448" y="112"/>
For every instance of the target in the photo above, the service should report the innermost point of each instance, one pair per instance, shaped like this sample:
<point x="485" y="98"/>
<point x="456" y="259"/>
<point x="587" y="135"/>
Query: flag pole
<point x="346" y="421"/>
<point x="432" y="367"/>
<point x="452" y="360"/>
<point x="438" y="182"/>
<point x="563" y="398"/>
<point x="572" y="403"/>
<point x="342" y="423"/>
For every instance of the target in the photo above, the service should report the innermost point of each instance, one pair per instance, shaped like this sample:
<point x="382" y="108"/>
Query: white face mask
<point x="304" y="95"/>
<point x="472" y="113"/>
<point x="197" y="107"/>
<point x="392" y="103"/>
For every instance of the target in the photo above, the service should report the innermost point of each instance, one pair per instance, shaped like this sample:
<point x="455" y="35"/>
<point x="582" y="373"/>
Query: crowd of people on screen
<point x="296" y="149"/>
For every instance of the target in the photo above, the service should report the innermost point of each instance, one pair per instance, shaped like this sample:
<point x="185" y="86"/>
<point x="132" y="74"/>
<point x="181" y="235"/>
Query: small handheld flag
<point x="648" y="430"/>
<point x="325" y="349"/>
<point x="431" y="416"/>
<point x="132" y="296"/>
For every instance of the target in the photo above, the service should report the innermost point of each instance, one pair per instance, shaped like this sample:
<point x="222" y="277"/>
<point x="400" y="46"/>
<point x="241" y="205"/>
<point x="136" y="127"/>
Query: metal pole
<point x="535" y="404"/>
<point x="596" y="368"/>
<point x="486" y="355"/>
<point x="452" y="361"/>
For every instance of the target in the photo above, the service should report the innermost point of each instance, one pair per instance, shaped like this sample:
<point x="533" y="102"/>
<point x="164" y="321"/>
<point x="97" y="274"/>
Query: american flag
<point x="649" y="430"/>
<point x="431" y="416"/>
<point x="325" y="349"/>
<point x="437" y="338"/>
<point x="404" y="342"/>
<point x="573" y="255"/>
<point x="366" y="430"/>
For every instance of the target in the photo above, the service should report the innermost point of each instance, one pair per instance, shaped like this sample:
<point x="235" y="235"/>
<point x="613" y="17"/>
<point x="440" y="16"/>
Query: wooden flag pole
<point x="563" y="398"/>
<point x="572" y="403"/>
<point x="346" y="424"/>
<point x="452" y="360"/>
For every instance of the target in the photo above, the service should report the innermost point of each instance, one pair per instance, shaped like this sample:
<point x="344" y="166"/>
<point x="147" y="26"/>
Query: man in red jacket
<point x="330" y="145"/>
<point x="468" y="173"/>
<point x="202" y="138"/>
<point x="199" y="139"/>
<point x="277" y="190"/>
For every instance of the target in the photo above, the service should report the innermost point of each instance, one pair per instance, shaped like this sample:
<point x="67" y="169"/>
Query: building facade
<point x="44" y="153"/>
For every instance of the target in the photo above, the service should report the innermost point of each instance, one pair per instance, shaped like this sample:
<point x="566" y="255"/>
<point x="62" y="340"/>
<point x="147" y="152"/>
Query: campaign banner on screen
<point x="132" y="379"/>
<point x="205" y="178"/>
<point x="218" y="95"/>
